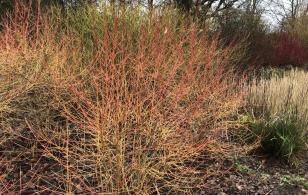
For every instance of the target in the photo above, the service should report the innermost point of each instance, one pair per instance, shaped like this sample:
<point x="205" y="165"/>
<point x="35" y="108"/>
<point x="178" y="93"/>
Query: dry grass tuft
<point x="284" y="92"/>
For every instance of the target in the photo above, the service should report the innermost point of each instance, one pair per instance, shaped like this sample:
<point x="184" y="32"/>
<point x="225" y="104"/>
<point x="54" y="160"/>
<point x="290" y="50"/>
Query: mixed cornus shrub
<point x="288" y="49"/>
<point x="110" y="102"/>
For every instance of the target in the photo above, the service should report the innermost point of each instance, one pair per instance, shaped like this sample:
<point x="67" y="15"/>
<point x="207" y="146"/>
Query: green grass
<point x="280" y="136"/>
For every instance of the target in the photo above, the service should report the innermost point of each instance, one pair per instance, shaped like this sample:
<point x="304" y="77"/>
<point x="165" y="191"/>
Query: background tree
<point x="286" y="12"/>
<point x="244" y="24"/>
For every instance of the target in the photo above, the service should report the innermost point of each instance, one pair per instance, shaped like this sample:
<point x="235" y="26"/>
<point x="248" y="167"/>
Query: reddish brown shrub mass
<point x="288" y="50"/>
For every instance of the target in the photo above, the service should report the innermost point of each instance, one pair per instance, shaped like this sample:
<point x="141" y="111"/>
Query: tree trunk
<point x="150" y="4"/>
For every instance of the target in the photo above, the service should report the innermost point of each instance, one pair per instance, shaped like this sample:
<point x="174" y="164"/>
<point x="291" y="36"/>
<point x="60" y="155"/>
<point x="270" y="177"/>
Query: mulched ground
<point x="254" y="174"/>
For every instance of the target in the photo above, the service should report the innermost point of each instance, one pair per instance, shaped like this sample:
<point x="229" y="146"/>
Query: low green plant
<point x="243" y="168"/>
<point x="281" y="136"/>
<point x="294" y="180"/>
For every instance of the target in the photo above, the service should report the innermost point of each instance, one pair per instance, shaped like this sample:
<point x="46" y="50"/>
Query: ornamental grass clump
<point x="278" y="105"/>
